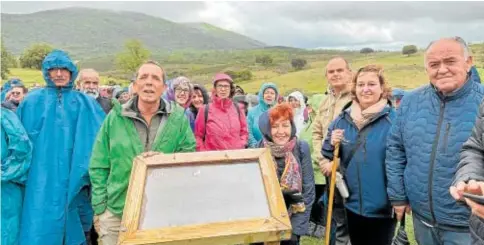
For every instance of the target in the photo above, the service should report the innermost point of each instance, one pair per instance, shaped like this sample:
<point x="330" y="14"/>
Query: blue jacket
<point x="16" y="154"/>
<point x="475" y="75"/>
<point x="299" y="221"/>
<point x="364" y="173"/>
<point x="423" y="152"/>
<point x="8" y="86"/>
<point x="62" y="124"/>
<point x="254" y="113"/>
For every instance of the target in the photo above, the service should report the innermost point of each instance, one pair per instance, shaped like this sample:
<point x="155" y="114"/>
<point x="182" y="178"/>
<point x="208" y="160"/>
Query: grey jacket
<point x="147" y="132"/>
<point x="471" y="167"/>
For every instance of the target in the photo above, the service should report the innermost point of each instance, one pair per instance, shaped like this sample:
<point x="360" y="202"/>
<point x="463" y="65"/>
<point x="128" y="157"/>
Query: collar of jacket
<point x="223" y="104"/>
<point x="130" y="108"/>
<point x="348" y="105"/>
<point x="457" y="94"/>
<point x="342" y="94"/>
<point x="346" y="113"/>
<point x="382" y="113"/>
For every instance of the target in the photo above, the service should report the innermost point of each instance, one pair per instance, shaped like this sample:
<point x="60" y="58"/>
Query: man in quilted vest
<point x="128" y="131"/>
<point x="423" y="147"/>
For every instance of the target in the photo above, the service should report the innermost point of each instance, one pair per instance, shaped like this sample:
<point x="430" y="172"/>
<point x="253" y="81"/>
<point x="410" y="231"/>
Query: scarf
<point x="362" y="117"/>
<point x="291" y="178"/>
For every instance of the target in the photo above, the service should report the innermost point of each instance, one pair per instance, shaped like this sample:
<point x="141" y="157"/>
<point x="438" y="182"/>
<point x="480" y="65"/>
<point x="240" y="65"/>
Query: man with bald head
<point x="89" y="84"/>
<point x="423" y="147"/>
<point x="339" y="76"/>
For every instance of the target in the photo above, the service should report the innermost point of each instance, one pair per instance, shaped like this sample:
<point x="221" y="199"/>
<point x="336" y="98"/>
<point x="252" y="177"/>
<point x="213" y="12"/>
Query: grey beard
<point x="92" y="93"/>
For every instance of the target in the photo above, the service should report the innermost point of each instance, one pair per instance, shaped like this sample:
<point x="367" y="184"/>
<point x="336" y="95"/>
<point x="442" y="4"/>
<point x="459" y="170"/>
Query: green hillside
<point x="401" y="71"/>
<point x="92" y="33"/>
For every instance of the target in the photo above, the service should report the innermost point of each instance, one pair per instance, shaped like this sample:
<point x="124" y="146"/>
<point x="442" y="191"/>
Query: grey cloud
<point x="387" y="25"/>
<point x="381" y="11"/>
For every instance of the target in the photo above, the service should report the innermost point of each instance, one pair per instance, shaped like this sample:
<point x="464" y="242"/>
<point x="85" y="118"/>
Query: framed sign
<point x="219" y="197"/>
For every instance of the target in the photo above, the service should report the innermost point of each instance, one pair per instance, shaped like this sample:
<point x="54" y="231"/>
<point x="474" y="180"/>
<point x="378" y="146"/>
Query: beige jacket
<point x="328" y="110"/>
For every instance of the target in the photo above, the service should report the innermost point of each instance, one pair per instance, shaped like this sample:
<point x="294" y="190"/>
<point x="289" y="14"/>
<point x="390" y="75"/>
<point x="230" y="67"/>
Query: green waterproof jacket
<point x="307" y="134"/>
<point x="116" y="146"/>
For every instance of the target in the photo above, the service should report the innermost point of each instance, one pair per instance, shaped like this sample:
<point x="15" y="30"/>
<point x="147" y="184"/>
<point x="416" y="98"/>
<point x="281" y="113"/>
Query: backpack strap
<point x="361" y="139"/>
<point x="206" y="116"/>
<point x="206" y="119"/>
<point x="237" y="108"/>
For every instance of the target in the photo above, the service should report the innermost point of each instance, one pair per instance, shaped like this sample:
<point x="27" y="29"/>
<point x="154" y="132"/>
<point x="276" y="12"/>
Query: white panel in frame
<point x="217" y="197"/>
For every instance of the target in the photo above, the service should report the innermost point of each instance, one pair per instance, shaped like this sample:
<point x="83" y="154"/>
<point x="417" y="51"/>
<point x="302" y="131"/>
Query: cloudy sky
<point x="345" y="25"/>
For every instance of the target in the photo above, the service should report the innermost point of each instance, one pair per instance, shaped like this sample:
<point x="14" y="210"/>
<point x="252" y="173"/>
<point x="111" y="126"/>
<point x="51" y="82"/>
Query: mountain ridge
<point x="85" y="32"/>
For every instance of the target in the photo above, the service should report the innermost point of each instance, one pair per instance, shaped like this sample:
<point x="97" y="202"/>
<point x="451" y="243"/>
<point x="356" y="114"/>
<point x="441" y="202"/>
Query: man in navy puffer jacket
<point x="424" y="143"/>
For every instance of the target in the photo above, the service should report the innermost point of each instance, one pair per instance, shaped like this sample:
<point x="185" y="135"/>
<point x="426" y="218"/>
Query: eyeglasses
<point x="15" y="93"/>
<point x="180" y="90"/>
<point x="223" y="87"/>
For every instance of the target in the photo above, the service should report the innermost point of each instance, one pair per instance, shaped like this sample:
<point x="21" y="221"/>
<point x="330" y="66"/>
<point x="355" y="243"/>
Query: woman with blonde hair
<point x="362" y="130"/>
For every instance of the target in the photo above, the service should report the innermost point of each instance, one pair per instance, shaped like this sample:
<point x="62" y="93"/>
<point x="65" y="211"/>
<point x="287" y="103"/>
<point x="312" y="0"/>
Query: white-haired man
<point x="432" y="124"/>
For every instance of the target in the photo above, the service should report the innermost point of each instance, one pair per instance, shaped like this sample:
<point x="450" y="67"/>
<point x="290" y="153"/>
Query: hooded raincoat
<point x="226" y="127"/>
<point x="62" y="124"/>
<point x="299" y="113"/>
<point x="8" y="86"/>
<point x="16" y="154"/>
<point x="254" y="113"/>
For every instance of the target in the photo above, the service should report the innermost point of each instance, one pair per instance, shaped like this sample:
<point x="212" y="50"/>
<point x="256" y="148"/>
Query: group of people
<point x="68" y="149"/>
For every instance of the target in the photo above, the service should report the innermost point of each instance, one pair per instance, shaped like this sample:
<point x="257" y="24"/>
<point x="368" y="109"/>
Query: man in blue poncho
<point x="16" y="153"/>
<point x="62" y="124"/>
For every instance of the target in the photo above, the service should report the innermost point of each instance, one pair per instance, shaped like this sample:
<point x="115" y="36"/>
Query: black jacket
<point x="471" y="167"/>
<point x="105" y="103"/>
<point x="10" y="104"/>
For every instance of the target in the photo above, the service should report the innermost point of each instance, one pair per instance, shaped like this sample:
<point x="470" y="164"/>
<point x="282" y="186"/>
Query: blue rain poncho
<point x="62" y="124"/>
<point x="16" y="153"/>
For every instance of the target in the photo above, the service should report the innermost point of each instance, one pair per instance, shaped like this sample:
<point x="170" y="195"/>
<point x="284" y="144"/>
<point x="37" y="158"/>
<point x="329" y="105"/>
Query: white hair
<point x="457" y="39"/>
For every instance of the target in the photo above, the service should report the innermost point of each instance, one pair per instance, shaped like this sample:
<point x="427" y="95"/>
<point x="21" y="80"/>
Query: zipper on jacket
<point x="446" y="137"/>
<point x="432" y="161"/>
<point x="147" y="141"/>
<point x="59" y="95"/>
<point x="147" y="128"/>
<point x="359" y="187"/>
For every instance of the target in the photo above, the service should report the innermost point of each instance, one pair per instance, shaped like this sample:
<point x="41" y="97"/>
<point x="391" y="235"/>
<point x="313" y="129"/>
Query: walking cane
<point x="332" y="185"/>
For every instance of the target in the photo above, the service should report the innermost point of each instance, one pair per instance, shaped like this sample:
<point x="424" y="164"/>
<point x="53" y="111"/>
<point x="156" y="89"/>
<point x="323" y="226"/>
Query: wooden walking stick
<point x="332" y="186"/>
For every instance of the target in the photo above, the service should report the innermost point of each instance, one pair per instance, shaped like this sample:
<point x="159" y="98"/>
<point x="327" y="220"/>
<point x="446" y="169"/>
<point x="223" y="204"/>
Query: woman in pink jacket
<point x="221" y="125"/>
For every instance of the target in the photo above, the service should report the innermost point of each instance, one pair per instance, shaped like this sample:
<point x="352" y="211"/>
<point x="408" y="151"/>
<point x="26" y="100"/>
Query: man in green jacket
<point x="146" y="123"/>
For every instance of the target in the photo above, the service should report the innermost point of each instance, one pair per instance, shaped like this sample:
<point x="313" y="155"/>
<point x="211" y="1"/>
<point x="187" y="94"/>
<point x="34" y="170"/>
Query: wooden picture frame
<point x="271" y="229"/>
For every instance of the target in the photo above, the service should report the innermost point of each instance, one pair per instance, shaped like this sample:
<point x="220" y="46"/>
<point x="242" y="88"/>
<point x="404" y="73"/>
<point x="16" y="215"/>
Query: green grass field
<point x="29" y="77"/>
<point x="401" y="71"/>
<point x="408" y="228"/>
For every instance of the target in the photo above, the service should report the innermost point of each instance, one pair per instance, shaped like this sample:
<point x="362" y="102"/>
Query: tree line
<point x="406" y="50"/>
